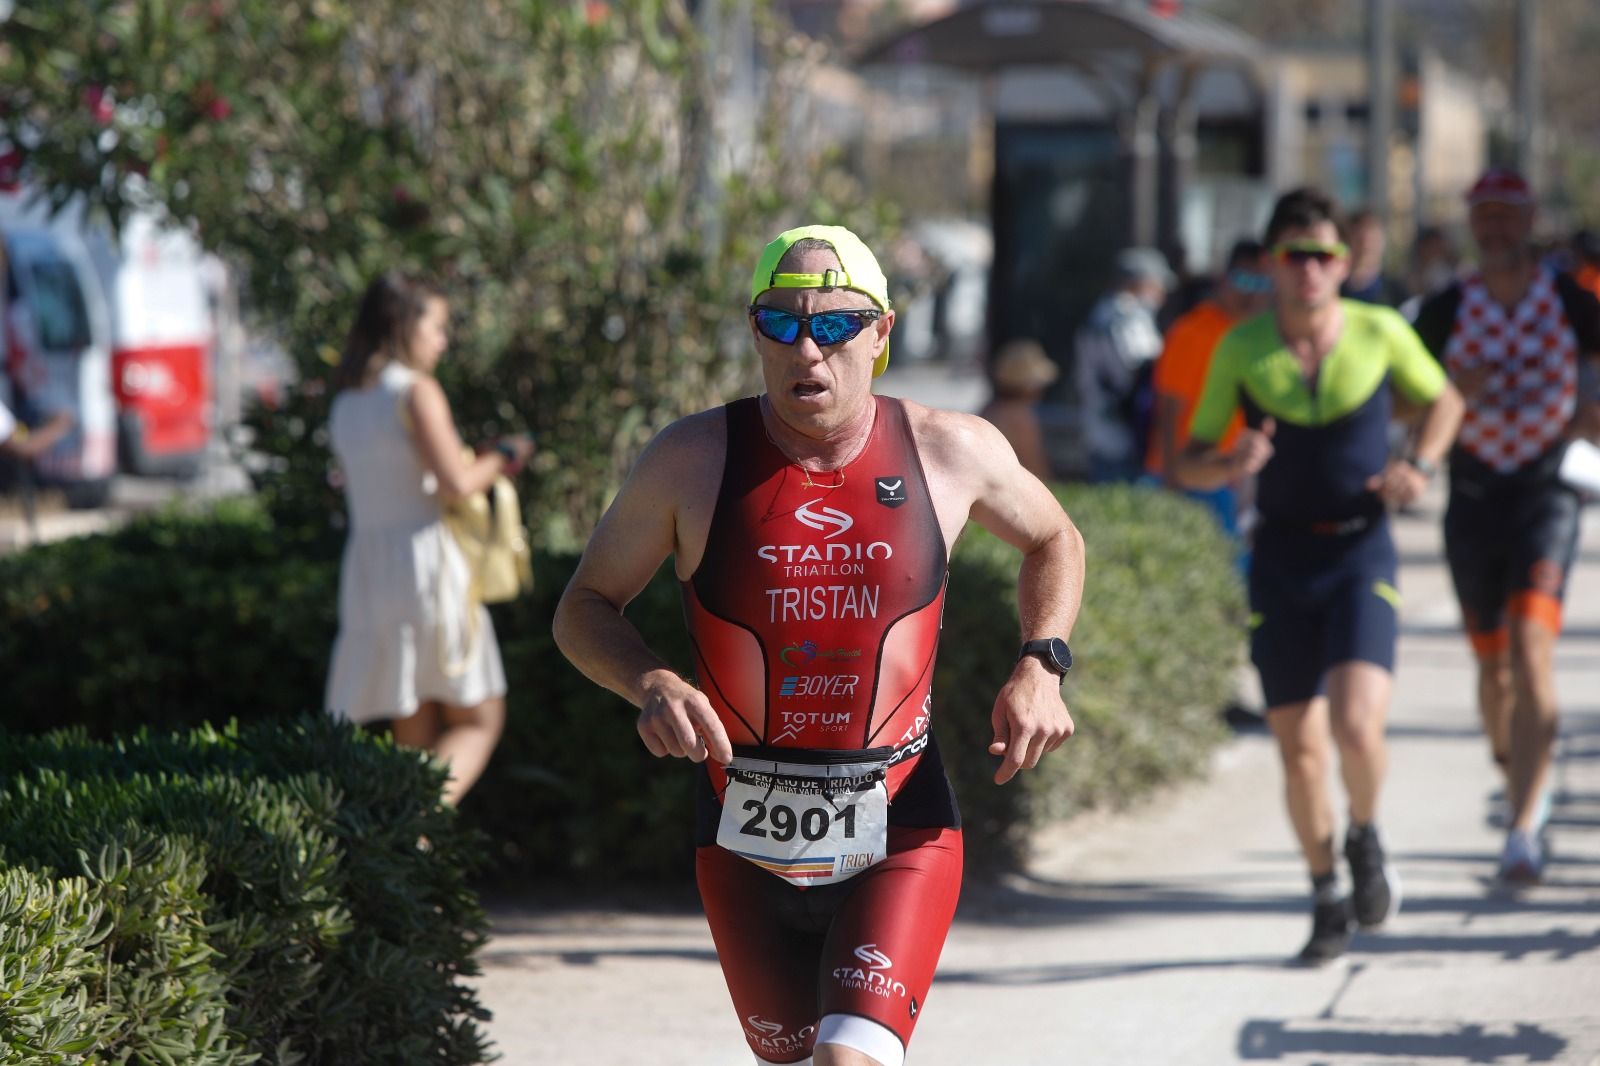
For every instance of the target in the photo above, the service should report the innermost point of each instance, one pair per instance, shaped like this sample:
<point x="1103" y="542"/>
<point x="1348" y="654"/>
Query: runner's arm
<point x="639" y="530"/>
<point x="1169" y="409"/>
<point x="1420" y="379"/>
<point x="1202" y="464"/>
<point x="1583" y="310"/>
<point x="1029" y="718"/>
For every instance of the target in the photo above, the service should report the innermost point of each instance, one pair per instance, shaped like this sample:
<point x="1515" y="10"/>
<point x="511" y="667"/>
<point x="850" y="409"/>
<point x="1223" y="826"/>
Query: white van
<point x="55" y="347"/>
<point x="163" y="339"/>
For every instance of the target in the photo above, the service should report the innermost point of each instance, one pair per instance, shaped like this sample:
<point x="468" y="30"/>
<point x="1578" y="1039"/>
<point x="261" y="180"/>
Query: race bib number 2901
<point x="809" y="824"/>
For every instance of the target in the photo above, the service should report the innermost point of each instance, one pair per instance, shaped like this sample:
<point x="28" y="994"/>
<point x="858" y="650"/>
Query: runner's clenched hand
<point x="1253" y="448"/>
<point x="1030" y="719"/>
<point x="676" y="719"/>
<point x="1399" y="485"/>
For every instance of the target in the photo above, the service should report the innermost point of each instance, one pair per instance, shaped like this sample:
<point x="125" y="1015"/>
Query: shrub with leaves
<point x="568" y="170"/>
<point x="288" y="892"/>
<point x="571" y="791"/>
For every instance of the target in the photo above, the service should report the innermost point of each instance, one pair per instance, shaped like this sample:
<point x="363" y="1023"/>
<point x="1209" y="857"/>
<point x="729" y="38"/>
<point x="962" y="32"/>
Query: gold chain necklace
<point x="807" y="483"/>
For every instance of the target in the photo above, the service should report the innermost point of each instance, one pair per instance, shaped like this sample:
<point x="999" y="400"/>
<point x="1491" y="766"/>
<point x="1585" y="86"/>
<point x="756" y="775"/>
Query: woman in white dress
<point x="412" y="647"/>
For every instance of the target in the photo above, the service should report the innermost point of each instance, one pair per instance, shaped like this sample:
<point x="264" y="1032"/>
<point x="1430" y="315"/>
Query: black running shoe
<point x="1331" y="929"/>
<point x="1375" y="886"/>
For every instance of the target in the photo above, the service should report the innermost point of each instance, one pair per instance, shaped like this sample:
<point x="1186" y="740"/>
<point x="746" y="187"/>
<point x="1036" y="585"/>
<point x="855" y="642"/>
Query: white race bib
<point x="811" y="823"/>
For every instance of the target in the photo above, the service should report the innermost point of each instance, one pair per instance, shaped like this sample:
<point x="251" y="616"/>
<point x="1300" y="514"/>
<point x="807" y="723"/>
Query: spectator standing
<point x="1116" y="352"/>
<point x="1240" y="293"/>
<point x="412" y="645"/>
<point x="1022" y="372"/>
<point x="20" y="442"/>
<point x="1367" y="281"/>
<point x="1586" y="260"/>
<point x="1435" y="261"/>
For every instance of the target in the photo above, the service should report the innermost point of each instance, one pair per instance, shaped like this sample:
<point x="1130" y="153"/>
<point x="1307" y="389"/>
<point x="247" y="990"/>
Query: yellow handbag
<point x="488" y="528"/>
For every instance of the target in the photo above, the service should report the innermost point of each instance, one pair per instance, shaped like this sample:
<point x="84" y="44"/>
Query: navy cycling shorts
<point x="1319" y="600"/>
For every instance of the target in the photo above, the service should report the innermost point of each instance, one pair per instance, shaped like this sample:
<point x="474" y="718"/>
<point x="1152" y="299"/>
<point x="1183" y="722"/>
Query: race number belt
<point x="811" y="817"/>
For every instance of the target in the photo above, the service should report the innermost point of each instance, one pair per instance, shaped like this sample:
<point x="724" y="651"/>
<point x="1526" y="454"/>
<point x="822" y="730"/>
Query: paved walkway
<point x="1160" y="936"/>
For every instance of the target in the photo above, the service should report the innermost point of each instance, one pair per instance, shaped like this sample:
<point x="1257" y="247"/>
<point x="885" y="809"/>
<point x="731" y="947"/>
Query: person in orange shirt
<point x="1241" y="292"/>
<point x="1586" y="260"/>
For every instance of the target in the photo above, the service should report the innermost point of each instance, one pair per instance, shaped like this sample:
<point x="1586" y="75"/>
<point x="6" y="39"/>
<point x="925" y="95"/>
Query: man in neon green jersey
<point x="1315" y="377"/>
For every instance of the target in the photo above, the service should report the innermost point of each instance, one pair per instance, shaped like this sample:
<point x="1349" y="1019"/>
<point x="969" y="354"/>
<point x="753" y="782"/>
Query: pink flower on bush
<point x="219" y="109"/>
<point x="98" y="103"/>
<point x="11" y="169"/>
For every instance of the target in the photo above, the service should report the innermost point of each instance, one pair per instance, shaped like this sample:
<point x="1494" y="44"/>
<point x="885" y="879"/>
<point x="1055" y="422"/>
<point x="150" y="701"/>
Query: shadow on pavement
<point x="530" y="958"/>
<point x="1261" y="1039"/>
<point x="1028" y="900"/>
<point x="1069" y="973"/>
<point x="1555" y="945"/>
<point x="1453" y="629"/>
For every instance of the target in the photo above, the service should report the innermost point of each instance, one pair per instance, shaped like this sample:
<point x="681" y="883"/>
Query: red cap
<point x="1500" y="185"/>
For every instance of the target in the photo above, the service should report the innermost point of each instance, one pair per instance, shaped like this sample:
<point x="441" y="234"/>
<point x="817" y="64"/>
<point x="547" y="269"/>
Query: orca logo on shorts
<point x="823" y="517"/>
<point x="770" y="1038"/>
<point x="873" y="979"/>
<point x="869" y="954"/>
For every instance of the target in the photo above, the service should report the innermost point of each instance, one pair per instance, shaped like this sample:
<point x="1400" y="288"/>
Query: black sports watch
<point x="1423" y="466"/>
<point x="1052" y="651"/>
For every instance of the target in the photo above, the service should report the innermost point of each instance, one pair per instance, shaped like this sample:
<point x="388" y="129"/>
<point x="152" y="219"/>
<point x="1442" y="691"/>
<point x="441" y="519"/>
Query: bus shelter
<point x="1115" y="124"/>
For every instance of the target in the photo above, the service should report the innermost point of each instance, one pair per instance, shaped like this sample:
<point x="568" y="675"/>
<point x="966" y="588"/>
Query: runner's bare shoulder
<point x="953" y="438"/>
<point x="682" y="451"/>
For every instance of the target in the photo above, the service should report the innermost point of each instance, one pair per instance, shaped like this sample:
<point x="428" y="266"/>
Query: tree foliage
<point x="565" y="168"/>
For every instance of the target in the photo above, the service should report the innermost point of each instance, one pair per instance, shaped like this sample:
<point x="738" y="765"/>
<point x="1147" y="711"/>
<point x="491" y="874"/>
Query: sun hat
<point x="858" y="270"/>
<point x="1021" y="365"/>
<point x="1145" y="263"/>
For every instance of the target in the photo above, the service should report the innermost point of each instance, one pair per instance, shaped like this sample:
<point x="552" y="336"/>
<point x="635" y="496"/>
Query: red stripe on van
<point x="169" y="387"/>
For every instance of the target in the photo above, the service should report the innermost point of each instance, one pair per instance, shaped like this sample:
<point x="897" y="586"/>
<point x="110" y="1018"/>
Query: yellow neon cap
<point x="858" y="271"/>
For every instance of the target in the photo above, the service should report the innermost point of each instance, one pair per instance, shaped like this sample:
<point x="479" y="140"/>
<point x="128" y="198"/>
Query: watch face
<point x="1061" y="654"/>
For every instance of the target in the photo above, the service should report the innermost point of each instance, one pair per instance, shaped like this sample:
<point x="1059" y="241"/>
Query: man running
<point x="1513" y="336"/>
<point x="1314" y="378"/>
<point x="811" y="529"/>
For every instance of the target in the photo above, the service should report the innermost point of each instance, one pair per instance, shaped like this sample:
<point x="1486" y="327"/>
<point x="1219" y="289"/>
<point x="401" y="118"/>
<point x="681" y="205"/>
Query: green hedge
<point x="253" y="894"/>
<point x="187" y="619"/>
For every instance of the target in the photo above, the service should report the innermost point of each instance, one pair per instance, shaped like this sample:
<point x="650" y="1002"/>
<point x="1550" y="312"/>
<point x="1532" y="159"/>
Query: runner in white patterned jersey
<point x="1513" y="336"/>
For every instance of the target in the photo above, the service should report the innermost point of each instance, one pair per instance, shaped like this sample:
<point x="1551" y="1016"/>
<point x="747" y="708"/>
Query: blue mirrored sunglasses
<point x="825" y="327"/>
<point x="1248" y="281"/>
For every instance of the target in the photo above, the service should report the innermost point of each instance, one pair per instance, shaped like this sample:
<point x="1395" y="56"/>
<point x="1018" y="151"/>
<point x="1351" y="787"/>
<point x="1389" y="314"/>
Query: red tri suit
<point x="815" y="616"/>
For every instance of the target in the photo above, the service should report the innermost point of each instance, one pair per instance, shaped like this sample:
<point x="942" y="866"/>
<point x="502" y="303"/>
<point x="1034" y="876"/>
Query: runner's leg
<point x="839" y="1055"/>
<point x="1358" y="701"/>
<point x="1496" y="696"/>
<point x="1533" y="722"/>
<point x="771" y="966"/>
<point x="884" y="946"/>
<point x="1301" y="730"/>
